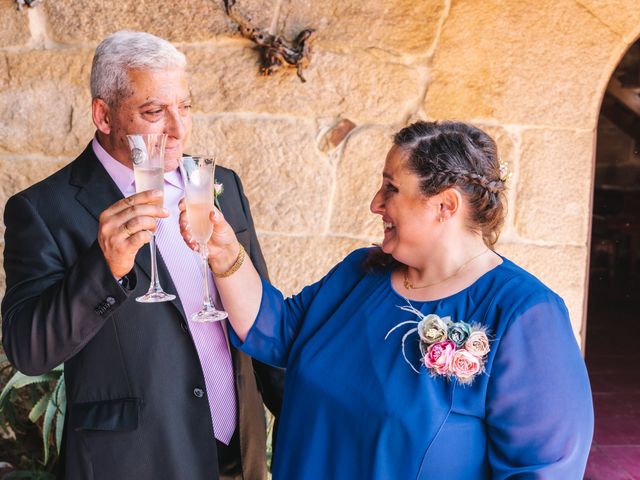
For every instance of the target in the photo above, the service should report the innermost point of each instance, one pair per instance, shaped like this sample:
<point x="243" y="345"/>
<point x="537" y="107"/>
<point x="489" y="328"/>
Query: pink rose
<point x="439" y="355"/>
<point x="465" y="365"/>
<point x="477" y="343"/>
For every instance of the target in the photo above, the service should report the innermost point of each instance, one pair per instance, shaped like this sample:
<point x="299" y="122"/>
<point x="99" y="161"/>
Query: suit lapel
<point x="97" y="191"/>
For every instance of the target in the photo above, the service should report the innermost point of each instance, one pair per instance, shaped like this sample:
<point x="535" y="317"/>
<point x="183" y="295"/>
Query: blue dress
<point x="354" y="409"/>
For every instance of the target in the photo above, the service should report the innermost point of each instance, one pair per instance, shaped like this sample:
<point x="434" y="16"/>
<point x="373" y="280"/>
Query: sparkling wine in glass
<point x="147" y="156"/>
<point x="198" y="173"/>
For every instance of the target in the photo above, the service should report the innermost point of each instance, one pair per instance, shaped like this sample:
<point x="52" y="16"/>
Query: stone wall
<point x="531" y="72"/>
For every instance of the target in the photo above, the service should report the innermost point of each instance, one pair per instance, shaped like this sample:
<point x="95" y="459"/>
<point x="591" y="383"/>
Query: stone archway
<point x="614" y="277"/>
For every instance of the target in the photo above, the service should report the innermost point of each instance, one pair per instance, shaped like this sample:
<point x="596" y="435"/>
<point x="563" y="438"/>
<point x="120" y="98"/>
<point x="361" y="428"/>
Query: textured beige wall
<point x="531" y="72"/>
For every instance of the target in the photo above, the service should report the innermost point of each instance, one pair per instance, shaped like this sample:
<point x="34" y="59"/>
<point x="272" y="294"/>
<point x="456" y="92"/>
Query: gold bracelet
<point x="233" y="268"/>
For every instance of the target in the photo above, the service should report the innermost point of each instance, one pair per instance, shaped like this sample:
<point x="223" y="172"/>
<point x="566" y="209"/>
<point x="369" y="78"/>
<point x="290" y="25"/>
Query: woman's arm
<point x="539" y="408"/>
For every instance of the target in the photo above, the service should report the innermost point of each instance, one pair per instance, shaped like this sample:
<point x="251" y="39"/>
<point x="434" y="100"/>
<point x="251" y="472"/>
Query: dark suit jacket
<point x="131" y="369"/>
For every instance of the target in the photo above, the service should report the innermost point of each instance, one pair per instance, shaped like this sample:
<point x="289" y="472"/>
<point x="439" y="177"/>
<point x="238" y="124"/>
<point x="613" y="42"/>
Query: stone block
<point x="554" y="186"/>
<point x="295" y="262"/>
<point x="358" y="178"/>
<point x="621" y="16"/>
<point x="395" y="27"/>
<point x="74" y="22"/>
<point x="16" y="174"/>
<point x="46" y="107"/>
<point x="561" y="268"/>
<point x="15" y="25"/>
<point x="532" y="63"/>
<point x="285" y="177"/>
<point x="356" y="86"/>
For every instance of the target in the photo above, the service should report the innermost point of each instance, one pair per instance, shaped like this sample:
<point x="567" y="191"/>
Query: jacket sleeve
<point x="50" y="309"/>
<point x="270" y="379"/>
<point x="539" y="407"/>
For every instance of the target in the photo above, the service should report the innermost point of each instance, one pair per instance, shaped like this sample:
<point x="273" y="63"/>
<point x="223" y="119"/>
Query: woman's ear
<point x="450" y="203"/>
<point x="100" y="113"/>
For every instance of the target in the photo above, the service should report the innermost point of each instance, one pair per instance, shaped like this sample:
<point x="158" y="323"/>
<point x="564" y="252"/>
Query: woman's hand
<point x="241" y="291"/>
<point x="223" y="246"/>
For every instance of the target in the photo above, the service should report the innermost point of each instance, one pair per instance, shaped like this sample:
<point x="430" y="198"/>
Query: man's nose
<point x="175" y="126"/>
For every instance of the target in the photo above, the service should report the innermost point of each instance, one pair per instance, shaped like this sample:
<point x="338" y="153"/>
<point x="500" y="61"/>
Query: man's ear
<point x="450" y="203"/>
<point x="101" y="115"/>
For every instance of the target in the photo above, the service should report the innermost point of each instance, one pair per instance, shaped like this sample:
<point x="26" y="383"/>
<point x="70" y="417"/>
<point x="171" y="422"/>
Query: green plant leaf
<point x="61" y="402"/>
<point x="47" y="423"/>
<point x="20" y="380"/>
<point x="38" y="409"/>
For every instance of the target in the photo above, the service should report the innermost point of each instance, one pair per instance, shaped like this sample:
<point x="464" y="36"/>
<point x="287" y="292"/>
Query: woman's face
<point x="408" y="216"/>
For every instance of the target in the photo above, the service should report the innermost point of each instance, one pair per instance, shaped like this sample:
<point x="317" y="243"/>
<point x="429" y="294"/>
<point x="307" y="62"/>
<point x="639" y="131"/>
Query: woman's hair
<point x="126" y="50"/>
<point x="454" y="154"/>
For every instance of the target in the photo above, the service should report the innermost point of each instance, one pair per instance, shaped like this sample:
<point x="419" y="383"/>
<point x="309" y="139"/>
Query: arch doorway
<point x="613" y="311"/>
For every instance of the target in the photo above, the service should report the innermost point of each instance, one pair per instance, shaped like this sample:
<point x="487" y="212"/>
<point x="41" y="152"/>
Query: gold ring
<point x="126" y="230"/>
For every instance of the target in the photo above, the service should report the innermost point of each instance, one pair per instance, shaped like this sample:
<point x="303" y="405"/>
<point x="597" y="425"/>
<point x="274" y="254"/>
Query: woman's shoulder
<point x="354" y="262"/>
<point x="518" y="286"/>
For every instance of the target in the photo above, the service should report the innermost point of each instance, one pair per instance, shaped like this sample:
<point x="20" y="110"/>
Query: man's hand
<point x="126" y="226"/>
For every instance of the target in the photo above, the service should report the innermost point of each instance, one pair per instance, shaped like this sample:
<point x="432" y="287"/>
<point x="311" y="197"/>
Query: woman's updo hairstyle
<point x="455" y="154"/>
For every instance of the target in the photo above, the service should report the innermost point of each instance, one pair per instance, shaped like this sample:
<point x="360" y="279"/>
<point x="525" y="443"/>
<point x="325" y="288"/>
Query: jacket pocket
<point x="119" y="415"/>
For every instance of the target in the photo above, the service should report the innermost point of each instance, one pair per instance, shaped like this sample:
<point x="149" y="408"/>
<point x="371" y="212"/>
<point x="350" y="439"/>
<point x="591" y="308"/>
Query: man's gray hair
<point x="125" y="50"/>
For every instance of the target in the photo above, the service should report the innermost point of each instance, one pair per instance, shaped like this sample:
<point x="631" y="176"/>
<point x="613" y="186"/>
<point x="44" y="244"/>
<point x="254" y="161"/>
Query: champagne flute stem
<point x="155" y="282"/>
<point x="204" y="253"/>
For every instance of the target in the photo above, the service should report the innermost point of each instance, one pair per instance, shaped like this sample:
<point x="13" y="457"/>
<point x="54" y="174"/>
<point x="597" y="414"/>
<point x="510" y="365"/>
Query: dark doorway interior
<point x="613" y="313"/>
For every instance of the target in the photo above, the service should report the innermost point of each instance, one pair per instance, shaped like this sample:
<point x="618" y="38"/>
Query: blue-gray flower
<point x="459" y="332"/>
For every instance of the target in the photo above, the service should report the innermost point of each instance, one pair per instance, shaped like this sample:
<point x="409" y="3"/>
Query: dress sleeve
<point x="279" y="320"/>
<point x="539" y="406"/>
<point x="277" y="324"/>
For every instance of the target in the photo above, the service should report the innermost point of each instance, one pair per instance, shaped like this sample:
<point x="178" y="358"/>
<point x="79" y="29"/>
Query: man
<point x="150" y="394"/>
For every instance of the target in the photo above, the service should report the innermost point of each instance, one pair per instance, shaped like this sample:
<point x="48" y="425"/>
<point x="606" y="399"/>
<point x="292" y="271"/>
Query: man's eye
<point x="153" y="112"/>
<point x="390" y="188"/>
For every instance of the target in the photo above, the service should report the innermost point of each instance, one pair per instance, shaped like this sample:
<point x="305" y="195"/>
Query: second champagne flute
<point x="199" y="192"/>
<point x="147" y="156"/>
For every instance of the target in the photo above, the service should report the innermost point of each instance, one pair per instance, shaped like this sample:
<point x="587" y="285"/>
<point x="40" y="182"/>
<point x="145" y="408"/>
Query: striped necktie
<point x="185" y="268"/>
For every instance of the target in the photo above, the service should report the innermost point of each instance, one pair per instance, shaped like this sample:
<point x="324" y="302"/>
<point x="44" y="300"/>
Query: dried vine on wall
<point x="276" y="51"/>
<point x="28" y="3"/>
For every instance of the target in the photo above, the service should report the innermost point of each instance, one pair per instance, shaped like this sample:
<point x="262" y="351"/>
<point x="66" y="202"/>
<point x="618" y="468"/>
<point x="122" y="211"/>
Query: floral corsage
<point x="449" y="349"/>
<point x="218" y="189"/>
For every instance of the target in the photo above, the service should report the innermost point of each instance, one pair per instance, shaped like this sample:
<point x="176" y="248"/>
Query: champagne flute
<point x="199" y="191"/>
<point x="147" y="156"/>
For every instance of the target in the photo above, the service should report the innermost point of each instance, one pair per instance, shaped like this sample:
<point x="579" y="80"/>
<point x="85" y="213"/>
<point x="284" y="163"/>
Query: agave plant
<point x="52" y="403"/>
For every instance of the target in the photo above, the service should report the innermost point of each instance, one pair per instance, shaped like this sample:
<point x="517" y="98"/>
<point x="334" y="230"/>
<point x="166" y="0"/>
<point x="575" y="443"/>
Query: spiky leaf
<point x="61" y="402"/>
<point x="20" y="380"/>
<point x="47" y="423"/>
<point x="38" y="409"/>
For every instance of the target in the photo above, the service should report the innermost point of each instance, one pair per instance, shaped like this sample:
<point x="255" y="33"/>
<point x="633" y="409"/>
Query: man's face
<point x="160" y="103"/>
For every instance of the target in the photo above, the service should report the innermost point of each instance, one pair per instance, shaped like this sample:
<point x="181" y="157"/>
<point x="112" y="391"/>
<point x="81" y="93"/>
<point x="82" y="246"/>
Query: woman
<point x="489" y="384"/>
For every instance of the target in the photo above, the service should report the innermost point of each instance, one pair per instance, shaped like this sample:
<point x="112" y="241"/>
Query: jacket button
<point x="198" y="392"/>
<point x="183" y="326"/>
